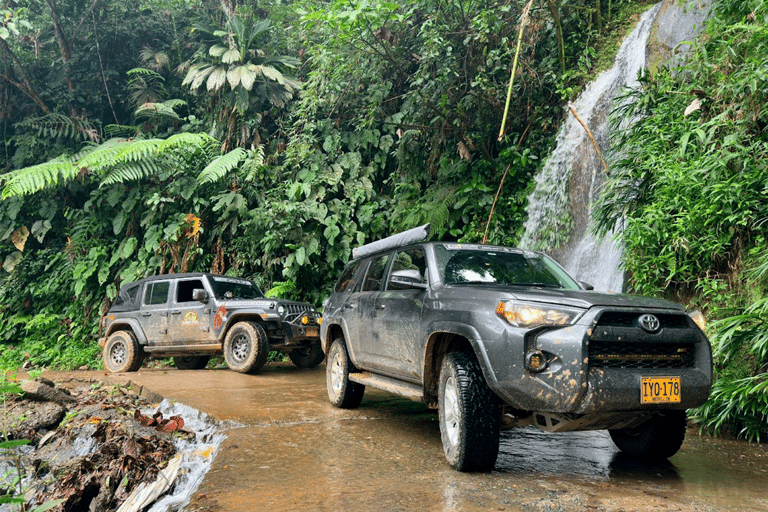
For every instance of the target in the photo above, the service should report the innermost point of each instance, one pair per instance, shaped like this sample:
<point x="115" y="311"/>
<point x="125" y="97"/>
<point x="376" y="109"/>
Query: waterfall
<point x="559" y="208"/>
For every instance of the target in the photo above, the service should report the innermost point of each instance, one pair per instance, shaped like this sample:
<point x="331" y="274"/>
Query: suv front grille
<point x="295" y="309"/>
<point x="622" y="319"/>
<point x="615" y="354"/>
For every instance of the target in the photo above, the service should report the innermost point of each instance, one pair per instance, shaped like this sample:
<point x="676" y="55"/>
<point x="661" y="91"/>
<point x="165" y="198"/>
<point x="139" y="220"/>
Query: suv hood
<point x="587" y="299"/>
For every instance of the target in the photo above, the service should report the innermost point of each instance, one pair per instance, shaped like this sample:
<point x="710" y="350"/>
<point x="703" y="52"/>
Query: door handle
<point x="381" y="306"/>
<point x="349" y="306"/>
<point x="175" y="312"/>
<point x="146" y="314"/>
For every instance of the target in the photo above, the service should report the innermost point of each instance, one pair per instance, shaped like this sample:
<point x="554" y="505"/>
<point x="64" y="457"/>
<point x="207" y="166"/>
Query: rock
<point x="41" y="392"/>
<point x="30" y="417"/>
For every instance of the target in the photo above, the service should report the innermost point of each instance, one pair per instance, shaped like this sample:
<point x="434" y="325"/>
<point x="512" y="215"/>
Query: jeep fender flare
<point x="128" y="324"/>
<point x="253" y="315"/>
<point x="444" y="337"/>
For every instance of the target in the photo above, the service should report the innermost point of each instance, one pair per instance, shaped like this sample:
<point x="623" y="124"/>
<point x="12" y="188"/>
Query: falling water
<point x="559" y="208"/>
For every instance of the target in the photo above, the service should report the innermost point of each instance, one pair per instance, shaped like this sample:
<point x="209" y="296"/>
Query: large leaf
<point x="247" y="77"/>
<point x="234" y="76"/>
<point x="19" y="237"/>
<point x="216" y="79"/>
<point x="217" y="50"/>
<point x="231" y="56"/>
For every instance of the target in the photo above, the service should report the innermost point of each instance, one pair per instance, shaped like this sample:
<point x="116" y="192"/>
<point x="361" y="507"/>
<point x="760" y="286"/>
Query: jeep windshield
<point x="461" y="264"/>
<point x="232" y="288"/>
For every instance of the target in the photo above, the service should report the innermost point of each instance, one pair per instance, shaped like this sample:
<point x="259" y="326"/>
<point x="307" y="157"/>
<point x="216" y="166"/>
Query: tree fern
<point x="56" y="126"/>
<point x="221" y="165"/>
<point x="113" y="161"/>
<point x="27" y="181"/>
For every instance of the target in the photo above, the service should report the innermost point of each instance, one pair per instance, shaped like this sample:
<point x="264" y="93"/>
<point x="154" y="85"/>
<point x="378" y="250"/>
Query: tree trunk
<point x="25" y="86"/>
<point x="559" y="31"/>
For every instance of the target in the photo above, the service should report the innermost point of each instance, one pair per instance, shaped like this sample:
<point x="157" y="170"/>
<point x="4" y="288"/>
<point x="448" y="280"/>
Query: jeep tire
<point x="657" y="439"/>
<point x="342" y="392"/>
<point x="191" y="362"/>
<point x="469" y="415"/>
<point x="246" y="347"/>
<point x="122" y="353"/>
<point x="307" y="357"/>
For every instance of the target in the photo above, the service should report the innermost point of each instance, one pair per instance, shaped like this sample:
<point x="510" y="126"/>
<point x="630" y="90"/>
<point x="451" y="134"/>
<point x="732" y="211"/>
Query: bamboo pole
<point x="523" y="21"/>
<point x="589" y="133"/>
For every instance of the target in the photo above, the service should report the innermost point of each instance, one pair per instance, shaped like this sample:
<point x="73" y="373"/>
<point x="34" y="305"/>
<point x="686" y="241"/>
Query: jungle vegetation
<point x="267" y="139"/>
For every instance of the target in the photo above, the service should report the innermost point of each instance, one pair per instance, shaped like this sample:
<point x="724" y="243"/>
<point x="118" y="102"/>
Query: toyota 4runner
<point x="496" y="338"/>
<point x="192" y="316"/>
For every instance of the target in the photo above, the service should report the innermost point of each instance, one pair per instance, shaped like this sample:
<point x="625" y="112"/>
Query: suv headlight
<point x="698" y="317"/>
<point x="527" y="315"/>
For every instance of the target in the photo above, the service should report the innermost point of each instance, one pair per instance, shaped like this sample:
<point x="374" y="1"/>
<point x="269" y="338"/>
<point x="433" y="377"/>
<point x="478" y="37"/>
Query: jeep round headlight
<point x="281" y="309"/>
<point x="528" y="315"/>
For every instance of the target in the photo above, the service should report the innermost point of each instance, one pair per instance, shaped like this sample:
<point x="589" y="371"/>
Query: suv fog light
<point x="305" y="320"/>
<point x="536" y="361"/>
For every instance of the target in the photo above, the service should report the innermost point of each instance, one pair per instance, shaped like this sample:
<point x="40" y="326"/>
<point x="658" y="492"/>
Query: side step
<point x="406" y="389"/>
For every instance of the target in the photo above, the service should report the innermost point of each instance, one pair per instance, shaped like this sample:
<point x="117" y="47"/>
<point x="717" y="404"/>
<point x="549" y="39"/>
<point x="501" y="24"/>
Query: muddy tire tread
<point x="191" y="362"/>
<point x="313" y="357"/>
<point x="346" y="394"/>
<point x="133" y="354"/>
<point x="258" y="347"/>
<point x="479" y="415"/>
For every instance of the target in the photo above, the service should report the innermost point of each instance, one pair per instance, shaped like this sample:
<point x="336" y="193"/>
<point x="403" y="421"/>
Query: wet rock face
<point x="676" y="25"/>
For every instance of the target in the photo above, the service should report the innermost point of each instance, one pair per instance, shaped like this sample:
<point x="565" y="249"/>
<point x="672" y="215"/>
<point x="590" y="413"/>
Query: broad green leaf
<point x="234" y="76"/>
<point x="217" y="50"/>
<point x="231" y="56"/>
<point x="216" y="79"/>
<point x="12" y="260"/>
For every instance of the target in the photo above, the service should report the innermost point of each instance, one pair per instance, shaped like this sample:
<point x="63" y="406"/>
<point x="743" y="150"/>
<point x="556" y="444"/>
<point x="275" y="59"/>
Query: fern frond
<point x="145" y="72"/>
<point x="56" y="126"/>
<point x="156" y="111"/>
<point x="131" y="171"/>
<point x="27" y="181"/>
<point x="221" y="165"/>
<point x="120" y="131"/>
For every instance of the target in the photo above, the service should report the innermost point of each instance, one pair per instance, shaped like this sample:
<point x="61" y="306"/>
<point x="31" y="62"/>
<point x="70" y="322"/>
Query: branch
<point x="25" y="87"/>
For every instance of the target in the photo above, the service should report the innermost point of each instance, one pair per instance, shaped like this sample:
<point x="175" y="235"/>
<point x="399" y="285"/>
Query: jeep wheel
<point x="122" y="353"/>
<point x="246" y="347"/>
<point x="307" y="357"/>
<point x="469" y="415"/>
<point x="657" y="439"/>
<point x="191" y="362"/>
<point x="342" y="392"/>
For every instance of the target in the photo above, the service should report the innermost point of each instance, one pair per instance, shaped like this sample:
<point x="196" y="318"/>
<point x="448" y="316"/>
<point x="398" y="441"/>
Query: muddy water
<point x="295" y="451"/>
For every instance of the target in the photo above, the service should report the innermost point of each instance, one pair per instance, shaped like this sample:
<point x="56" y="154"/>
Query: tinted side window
<point x="411" y="263"/>
<point x="375" y="273"/>
<point x="184" y="289"/>
<point x="127" y="296"/>
<point x="349" y="277"/>
<point x="157" y="293"/>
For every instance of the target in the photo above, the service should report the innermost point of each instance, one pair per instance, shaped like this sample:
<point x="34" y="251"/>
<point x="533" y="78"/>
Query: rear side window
<point x="156" y="293"/>
<point x="375" y="274"/>
<point x="349" y="277"/>
<point x="127" y="295"/>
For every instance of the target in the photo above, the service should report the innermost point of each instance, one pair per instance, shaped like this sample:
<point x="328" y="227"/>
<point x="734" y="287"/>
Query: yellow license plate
<point x="660" y="390"/>
<point x="312" y="332"/>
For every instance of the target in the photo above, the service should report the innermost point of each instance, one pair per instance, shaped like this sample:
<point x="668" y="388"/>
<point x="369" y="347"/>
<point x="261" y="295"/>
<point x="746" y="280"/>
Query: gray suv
<point x="497" y="338"/>
<point x="191" y="316"/>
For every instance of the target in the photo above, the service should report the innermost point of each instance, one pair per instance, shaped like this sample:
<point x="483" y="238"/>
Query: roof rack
<point x="398" y="240"/>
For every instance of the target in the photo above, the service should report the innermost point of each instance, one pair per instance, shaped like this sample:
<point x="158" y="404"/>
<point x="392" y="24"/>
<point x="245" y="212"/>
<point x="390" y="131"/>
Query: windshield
<point x="232" y="288"/>
<point x="478" y="264"/>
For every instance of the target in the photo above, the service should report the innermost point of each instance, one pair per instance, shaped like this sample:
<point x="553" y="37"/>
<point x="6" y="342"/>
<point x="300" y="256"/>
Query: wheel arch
<point x="438" y="345"/>
<point x="127" y="324"/>
<point x="334" y="331"/>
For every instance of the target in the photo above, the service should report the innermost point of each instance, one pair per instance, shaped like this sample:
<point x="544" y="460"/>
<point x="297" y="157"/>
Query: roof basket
<point x="398" y="240"/>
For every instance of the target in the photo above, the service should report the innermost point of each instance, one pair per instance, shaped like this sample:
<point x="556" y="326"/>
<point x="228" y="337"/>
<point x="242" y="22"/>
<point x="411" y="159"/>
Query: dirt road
<point x="294" y="451"/>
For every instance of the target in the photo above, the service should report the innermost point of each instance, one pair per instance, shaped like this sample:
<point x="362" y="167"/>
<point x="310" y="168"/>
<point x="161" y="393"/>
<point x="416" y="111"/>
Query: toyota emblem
<point x="649" y="323"/>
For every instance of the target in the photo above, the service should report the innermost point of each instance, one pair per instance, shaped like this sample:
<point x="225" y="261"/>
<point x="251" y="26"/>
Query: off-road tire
<point x="191" y="362"/>
<point x="246" y="347"/>
<point x="122" y="352"/>
<point x="658" y="438"/>
<point x="307" y="357"/>
<point x="469" y="414"/>
<point x="342" y="392"/>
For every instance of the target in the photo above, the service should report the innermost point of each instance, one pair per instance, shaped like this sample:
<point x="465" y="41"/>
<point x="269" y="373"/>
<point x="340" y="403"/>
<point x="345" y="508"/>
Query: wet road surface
<point x="292" y="450"/>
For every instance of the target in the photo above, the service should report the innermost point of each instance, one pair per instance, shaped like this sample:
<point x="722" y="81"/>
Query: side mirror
<point x="406" y="279"/>
<point x="200" y="295"/>
<point x="586" y="286"/>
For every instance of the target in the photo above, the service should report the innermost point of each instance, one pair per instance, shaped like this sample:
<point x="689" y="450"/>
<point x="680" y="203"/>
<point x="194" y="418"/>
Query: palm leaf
<point x="27" y="181"/>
